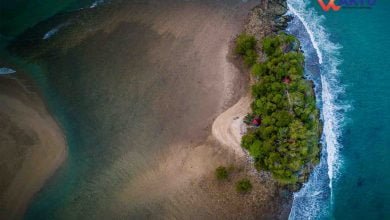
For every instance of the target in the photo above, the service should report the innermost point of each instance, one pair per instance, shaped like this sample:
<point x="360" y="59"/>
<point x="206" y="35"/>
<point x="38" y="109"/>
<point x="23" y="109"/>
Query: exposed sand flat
<point x="228" y="128"/>
<point x="32" y="147"/>
<point x="145" y="82"/>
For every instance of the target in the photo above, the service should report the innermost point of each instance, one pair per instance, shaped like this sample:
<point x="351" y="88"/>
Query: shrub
<point x="221" y="173"/>
<point x="245" y="43"/>
<point x="244" y="186"/>
<point x="246" y="46"/>
<point x="250" y="57"/>
<point x="270" y="45"/>
<point x="247" y="140"/>
<point x="258" y="69"/>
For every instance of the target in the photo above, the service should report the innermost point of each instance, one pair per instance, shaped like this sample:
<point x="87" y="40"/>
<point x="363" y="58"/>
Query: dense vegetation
<point x="244" y="186"/>
<point x="246" y="47"/>
<point x="285" y="142"/>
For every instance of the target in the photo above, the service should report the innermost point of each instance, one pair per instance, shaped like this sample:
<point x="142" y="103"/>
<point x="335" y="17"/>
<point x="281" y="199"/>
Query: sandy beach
<point x="228" y="128"/>
<point x="31" y="143"/>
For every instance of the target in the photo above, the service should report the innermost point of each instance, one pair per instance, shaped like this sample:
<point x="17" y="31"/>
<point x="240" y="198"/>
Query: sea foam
<point x="96" y="3"/>
<point x="54" y="30"/>
<point x="6" y="71"/>
<point x="315" y="197"/>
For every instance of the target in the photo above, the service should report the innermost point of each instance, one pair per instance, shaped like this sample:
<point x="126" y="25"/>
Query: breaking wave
<point x="314" y="200"/>
<point x="6" y="71"/>
<point x="96" y="3"/>
<point x="53" y="31"/>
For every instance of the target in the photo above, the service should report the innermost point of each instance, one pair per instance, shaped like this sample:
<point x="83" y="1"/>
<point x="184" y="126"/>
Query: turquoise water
<point x="363" y="184"/>
<point x="352" y="181"/>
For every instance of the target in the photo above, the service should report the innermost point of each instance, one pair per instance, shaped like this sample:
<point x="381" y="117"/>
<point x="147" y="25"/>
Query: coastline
<point x="32" y="144"/>
<point x="225" y="128"/>
<point x="261" y="21"/>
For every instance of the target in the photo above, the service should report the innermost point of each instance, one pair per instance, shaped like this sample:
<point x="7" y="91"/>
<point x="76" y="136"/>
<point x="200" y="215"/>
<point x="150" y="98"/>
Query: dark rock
<point x="267" y="18"/>
<point x="277" y="7"/>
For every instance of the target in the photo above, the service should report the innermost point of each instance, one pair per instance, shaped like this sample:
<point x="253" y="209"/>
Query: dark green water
<point x="18" y="15"/>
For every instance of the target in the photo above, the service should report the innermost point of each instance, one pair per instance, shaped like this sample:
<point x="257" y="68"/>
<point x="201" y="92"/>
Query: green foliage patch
<point x="287" y="141"/>
<point x="246" y="46"/>
<point x="244" y="186"/>
<point x="221" y="173"/>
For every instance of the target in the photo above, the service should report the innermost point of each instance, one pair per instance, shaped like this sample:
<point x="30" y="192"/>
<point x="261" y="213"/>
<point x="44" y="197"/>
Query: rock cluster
<point x="267" y="18"/>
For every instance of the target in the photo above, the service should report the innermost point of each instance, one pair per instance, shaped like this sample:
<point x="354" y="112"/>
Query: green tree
<point x="245" y="43"/>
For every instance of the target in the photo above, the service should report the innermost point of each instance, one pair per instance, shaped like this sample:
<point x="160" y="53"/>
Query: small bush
<point x="245" y="43"/>
<point x="258" y="69"/>
<point x="221" y="173"/>
<point x="244" y="186"/>
<point x="246" y="46"/>
<point x="250" y="57"/>
<point x="270" y="45"/>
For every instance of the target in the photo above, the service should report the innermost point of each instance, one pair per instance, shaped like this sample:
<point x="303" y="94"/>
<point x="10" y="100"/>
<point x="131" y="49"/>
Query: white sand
<point x="229" y="127"/>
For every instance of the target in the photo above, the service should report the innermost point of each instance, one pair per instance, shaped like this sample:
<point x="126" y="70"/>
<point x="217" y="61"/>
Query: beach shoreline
<point x="228" y="128"/>
<point x="32" y="144"/>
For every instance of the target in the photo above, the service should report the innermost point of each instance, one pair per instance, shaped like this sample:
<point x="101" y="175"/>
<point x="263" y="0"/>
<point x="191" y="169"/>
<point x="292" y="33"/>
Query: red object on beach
<point x="256" y="122"/>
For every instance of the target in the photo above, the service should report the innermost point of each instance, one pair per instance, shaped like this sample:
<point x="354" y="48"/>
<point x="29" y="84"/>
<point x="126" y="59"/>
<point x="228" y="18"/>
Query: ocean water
<point x="347" y="54"/>
<point x="18" y="15"/>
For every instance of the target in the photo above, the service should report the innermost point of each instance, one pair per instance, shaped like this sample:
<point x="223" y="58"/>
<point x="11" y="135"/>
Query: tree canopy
<point x="246" y="46"/>
<point x="287" y="141"/>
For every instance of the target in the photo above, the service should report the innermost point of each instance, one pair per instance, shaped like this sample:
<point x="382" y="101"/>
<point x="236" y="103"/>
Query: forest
<point x="283" y="127"/>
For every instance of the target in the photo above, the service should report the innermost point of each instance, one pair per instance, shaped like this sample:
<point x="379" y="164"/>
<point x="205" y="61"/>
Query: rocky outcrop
<point x="267" y="18"/>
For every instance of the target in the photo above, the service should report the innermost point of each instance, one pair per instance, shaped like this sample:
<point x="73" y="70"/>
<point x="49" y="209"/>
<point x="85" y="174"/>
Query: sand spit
<point x="31" y="144"/>
<point x="229" y="128"/>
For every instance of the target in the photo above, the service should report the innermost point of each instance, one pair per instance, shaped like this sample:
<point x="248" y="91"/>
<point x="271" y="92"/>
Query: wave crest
<point x="315" y="197"/>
